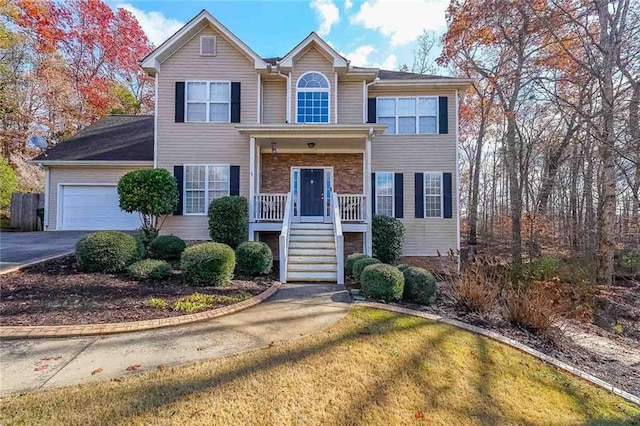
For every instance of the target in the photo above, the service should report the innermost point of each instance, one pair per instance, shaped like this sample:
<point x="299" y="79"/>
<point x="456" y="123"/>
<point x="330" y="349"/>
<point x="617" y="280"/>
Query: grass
<point x="198" y="302"/>
<point x="373" y="367"/>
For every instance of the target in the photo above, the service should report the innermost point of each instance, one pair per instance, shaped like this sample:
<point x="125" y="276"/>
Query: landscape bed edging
<point x="507" y="341"/>
<point x="38" y="332"/>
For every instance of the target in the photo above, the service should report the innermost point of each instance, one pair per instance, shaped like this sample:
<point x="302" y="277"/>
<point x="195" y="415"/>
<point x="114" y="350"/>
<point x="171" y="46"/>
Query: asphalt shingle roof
<point x="112" y="138"/>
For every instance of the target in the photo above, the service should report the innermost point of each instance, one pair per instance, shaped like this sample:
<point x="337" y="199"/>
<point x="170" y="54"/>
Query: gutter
<point x="91" y="163"/>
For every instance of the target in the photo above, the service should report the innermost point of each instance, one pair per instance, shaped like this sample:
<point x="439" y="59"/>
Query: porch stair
<point x="312" y="253"/>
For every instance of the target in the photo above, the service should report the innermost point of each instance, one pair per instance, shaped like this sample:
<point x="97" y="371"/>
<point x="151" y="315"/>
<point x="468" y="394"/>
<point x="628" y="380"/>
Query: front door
<point x="312" y="188"/>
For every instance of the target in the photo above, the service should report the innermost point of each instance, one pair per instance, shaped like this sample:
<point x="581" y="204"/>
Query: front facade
<point x="316" y="145"/>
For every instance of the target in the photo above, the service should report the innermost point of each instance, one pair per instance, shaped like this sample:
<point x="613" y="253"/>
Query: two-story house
<point x="315" y="144"/>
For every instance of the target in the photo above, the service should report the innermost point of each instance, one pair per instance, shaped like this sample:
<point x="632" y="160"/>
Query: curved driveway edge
<point x="38" y="332"/>
<point x="507" y="341"/>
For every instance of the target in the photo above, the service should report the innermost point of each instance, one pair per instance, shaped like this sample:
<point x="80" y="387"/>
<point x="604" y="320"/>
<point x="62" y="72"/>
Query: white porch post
<point x="367" y="195"/>
<point x="252" y="185"/>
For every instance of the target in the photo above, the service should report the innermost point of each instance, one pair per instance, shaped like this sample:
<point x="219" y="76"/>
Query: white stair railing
<point x="270" y="207"/>
<point x="284" y="237"/>
<point x="352" y="207"/>
<point x="338" y="237"/>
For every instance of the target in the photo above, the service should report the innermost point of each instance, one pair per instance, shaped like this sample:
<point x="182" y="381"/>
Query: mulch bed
<point x="56" y="293"/>
<point x="559" y="345"/>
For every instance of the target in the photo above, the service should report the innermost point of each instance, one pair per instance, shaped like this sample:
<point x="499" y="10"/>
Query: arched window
<point x="313" y="98"/>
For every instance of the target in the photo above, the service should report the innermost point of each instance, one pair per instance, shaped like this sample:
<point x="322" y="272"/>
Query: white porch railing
<point x="339" y="238"/>
<point x="284" y="237"/>
<point x="270" y="207"/>
<point x="352" y="207"/>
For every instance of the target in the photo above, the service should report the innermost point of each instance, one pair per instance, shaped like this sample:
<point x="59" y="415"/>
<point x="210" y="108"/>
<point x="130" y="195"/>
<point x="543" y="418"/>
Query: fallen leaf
<point x="419" y="415"/>
<point x="161" y="367"/>
<point x="272" y="344"/>
<point x="133" y="367"/>
<point x="200" y="348"/>
<point x="41" y="367"/>
<point x="97" y="371"/>
<point x="116" y="379"/>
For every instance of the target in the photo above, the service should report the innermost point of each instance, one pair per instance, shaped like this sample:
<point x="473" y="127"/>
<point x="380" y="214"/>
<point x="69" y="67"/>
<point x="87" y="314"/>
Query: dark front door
<point x="311" y="192"/>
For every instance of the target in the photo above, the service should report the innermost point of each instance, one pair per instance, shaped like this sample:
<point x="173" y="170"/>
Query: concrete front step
<point x="312" y="257"/>
<point x="312" y="245"/>
<point x="311" y="251"/>
<point x="312" y="226"/>
<point x="312" y="276"/>
<point x="312" y="267"/>
<point x="312" y="238"/>
<point x="304" y="231"/>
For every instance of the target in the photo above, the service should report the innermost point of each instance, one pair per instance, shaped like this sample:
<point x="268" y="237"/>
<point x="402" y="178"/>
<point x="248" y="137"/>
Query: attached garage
<point x="92" y="207"/>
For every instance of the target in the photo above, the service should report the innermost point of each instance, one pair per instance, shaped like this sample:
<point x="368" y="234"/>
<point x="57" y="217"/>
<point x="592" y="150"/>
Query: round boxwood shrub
<point x="228" y="218"/>
<point x="106" y="251"/>
<point x="382" y="282"/>
<point x="167" y="247"/>
<point x="359" y="266"/>
<point x="387" y="235"/>
<point x="150" y="269"/>
<point x="351" y="260"/>
<point x="419" y="285"/>
<point x="254" y="258"/>
<point x="402" y="266"/>
<point x="208" y="264"/>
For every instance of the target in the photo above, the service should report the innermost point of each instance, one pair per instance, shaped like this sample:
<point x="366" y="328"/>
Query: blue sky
<point x="378" y="33"/>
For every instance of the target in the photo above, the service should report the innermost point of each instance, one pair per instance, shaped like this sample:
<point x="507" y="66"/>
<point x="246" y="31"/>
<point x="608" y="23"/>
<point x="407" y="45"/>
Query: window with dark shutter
<point x="443" y="115"/>
<point x="235" y="102"/>
<point x="419" y="195"/>
<point x="398" y="195"/>
<point x="178" y="174"/>
<point x="179" y="102"/>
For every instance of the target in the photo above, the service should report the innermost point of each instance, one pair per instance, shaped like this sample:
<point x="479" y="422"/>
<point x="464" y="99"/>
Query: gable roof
<point x="338" y="60"/>
<point x="112" y="138"/>
<point x="151" y="62"/>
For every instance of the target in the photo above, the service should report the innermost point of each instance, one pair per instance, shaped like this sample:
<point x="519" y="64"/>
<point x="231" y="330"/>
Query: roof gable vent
<point x="208" y="45"/>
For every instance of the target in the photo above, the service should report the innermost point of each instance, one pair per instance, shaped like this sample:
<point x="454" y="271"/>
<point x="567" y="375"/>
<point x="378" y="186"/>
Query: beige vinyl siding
<point x="350" y="102"/>
<point x="204" y="143"/>
<point x="312" y="60"/>
<point x="274" y="101"/>
<point x="410" y="154"/>
<point x="85" y="175"/>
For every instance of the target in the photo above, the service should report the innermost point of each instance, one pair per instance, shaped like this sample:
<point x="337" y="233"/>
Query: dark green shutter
<point x="234" y="180"/>
<point x="443" y="115"/>
<point x="178" y="174"/>
<point x="419" y="195"/>
<point x="235" y="102"/>
<point x="179" y="116"/>
<point x="373" y="193"/>
<point x="447" y="194"/>
<point x="371" y="110"/>
<point x="398" y="182"/>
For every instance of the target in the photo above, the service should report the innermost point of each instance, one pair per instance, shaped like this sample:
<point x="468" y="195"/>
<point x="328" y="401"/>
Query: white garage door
<point x="92" y="208"/>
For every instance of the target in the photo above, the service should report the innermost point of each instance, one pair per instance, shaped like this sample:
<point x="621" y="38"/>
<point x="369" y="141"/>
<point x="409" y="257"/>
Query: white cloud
<point x="157" y="26"/>
<point x="361" y="57"/>
<point x="348" y="4"/>
<point x="328" y="13"/>
<point x="390" y="63"/>
<point x="402" y="21"/>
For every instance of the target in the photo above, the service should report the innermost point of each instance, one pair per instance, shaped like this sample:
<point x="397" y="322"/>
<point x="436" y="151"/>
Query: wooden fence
<point x="23" y="212"/>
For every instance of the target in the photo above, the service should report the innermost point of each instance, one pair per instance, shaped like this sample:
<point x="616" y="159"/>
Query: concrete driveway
<point x="18" y="248"/>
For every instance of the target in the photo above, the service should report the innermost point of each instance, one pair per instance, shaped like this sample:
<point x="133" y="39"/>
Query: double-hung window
<point x="313" y="98"/>
<point x="409" y="115"/>
<point x="208" y="101"/>
<point x="433" y="194"/>
<point x="384" y="193"/>
<point x="203" y="183"/>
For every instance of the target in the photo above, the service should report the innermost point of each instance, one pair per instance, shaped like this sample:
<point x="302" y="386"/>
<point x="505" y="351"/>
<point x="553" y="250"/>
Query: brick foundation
<point x="353" y="243"/>
<point x="272" y="239"/>
<point x="275" y="175"/>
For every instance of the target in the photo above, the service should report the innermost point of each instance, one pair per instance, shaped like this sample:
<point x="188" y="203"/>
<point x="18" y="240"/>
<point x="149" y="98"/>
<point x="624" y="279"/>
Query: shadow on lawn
<point x="147" y="398"/>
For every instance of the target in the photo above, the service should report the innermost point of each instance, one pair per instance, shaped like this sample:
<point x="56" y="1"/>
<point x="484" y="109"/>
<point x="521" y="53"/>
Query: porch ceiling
<point x="313" y="131"/>
<point x="321" y="145"/>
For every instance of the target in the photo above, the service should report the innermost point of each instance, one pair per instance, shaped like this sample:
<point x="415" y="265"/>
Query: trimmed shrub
<point x="140" y="243"/>
<point x="150" y="269"/>
<point x="228" y="218"/>
<point x="106" y="251"/>
<point x="254" y="258"/>
<point x="380" y="281"/>
<point x="419" y="285"/>
<point x="387" y="234"/>
<point x="403" y="266"/>
<point x="208" y="264"/>
<point x="351" y="260"/>
<point x="359" y="266"/>
<point x="167" y="247"/>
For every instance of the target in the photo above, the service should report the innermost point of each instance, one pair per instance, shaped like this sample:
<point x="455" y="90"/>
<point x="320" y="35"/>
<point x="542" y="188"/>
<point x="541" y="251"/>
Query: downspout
<point x="288" y="90"/>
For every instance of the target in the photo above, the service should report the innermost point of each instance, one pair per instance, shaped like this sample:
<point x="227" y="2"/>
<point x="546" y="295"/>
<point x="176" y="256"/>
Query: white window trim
<point x="207" y="102"/>
<point x="206" y="187"/>
<point x="397" y="116"/>
<point x="393" y="193"/>
<point x="424" y="195"/>
<point x="314" y="89"/>
<point x="215" y="48"/>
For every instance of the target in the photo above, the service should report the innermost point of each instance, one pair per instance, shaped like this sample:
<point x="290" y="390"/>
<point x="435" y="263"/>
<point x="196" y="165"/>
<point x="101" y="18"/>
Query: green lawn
<point x="373" y="367"/>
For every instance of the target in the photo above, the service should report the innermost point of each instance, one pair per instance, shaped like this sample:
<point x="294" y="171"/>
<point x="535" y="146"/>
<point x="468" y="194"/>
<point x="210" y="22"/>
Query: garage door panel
<point x="89" y="207"/>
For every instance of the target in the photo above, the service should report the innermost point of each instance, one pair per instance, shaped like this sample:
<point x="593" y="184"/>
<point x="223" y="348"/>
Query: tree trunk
<point x="475" y="182"/>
